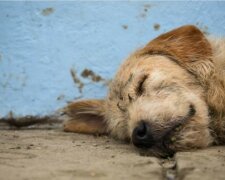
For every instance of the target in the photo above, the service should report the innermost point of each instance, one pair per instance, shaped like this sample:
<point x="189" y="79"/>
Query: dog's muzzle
<point x="146" y="135"/>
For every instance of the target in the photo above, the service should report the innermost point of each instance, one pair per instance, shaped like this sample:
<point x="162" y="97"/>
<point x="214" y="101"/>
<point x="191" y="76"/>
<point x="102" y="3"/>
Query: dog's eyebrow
<point x="170" y="57"/>
<point x="129" y="80"/>
<point x="169" y="86"/>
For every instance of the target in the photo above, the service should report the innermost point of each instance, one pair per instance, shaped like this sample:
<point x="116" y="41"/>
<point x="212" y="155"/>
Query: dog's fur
<point x="160" y="83"/>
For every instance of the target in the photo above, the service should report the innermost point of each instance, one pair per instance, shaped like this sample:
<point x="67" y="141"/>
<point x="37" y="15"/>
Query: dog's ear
<point x="85" y="117"/>
<point x="187" y="46"/>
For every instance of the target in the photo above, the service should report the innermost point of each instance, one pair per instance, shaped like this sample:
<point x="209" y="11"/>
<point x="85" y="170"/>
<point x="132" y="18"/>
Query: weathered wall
<point x="47" y="49"/>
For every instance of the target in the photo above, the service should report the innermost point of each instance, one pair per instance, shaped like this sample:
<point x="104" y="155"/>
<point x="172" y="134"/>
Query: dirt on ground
<point x="53" y="154"/>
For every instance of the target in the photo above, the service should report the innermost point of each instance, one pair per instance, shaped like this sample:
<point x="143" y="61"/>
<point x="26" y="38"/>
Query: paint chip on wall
<point x="47" y="11"/>
<point x="156" y="26"/>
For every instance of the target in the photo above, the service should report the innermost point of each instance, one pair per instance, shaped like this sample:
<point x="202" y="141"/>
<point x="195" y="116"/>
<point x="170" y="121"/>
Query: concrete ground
<point x="53" y="154"/>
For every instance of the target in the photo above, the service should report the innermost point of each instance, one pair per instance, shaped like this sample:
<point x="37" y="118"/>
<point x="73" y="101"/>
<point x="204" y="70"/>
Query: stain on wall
<point x="125" y="26"/>
<point x="61" y="97"/>
<point x="76" y="80"/>
<point x="156" y="26"/>
<point x="55" y="52"/>
<point x="47" y="11"/>
<point x="145" y="10"/>
<point x="87" y="73"/>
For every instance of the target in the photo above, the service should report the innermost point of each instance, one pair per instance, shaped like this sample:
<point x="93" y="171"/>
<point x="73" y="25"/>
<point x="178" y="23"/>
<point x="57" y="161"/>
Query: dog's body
<point x="166" y="97"/>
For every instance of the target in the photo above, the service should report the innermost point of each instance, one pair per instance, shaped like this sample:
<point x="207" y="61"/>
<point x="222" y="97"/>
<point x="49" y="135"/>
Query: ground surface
<point x="53" y="154"/>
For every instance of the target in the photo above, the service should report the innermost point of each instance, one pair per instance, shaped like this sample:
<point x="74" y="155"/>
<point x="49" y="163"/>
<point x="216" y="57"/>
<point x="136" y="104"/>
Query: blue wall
<point x="42" y="42"/>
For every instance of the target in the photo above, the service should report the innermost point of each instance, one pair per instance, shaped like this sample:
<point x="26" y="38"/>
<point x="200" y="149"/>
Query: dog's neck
<point x="215" y="93"/>
<point x="218" y="48"/>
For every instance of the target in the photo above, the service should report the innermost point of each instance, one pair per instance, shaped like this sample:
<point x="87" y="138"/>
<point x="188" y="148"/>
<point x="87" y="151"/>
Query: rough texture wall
<point x="54" y="52"/>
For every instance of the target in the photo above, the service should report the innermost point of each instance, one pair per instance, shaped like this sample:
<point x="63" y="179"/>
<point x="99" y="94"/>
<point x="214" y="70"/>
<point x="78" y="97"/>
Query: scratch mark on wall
<point x="47" y="11"/>
<point x="76" y="80"/>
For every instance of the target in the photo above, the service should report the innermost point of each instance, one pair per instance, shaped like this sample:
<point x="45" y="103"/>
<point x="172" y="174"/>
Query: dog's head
<point x="157" y="99"/>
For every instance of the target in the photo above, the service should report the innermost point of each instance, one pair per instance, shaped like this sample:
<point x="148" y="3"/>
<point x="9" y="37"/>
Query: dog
<point x="166" y="97"/>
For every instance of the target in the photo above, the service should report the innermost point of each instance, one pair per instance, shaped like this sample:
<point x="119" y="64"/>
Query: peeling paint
<point x="87" y="73"/>
<point x="47" y="11"/>
<point x="156" y="26"/>
<point x="76" y="80"/>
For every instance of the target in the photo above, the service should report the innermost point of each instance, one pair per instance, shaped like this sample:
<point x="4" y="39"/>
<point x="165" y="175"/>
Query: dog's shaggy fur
<point x="177" y="79"/>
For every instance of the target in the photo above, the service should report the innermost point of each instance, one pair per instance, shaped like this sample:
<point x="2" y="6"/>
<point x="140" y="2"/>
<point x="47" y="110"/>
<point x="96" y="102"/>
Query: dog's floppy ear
<point x="187" y="46"/>
<point x="86" y="116"/>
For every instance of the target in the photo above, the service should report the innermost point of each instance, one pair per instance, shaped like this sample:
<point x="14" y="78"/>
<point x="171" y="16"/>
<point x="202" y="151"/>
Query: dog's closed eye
<point x="140" y="87"/>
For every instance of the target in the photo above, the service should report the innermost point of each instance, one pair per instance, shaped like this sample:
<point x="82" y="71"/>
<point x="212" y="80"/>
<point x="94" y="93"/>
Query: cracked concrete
<point x="53" y="154"/>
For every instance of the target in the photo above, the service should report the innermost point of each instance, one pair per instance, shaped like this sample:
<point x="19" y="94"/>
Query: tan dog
<point x="168" y="96"/>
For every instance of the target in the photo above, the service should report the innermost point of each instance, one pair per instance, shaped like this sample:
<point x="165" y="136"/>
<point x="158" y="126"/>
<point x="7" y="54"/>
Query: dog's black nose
<point x="142" y="136"/>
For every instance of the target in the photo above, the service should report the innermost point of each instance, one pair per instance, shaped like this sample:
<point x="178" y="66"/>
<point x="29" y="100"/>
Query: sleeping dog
<point x="166" y="97"/>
